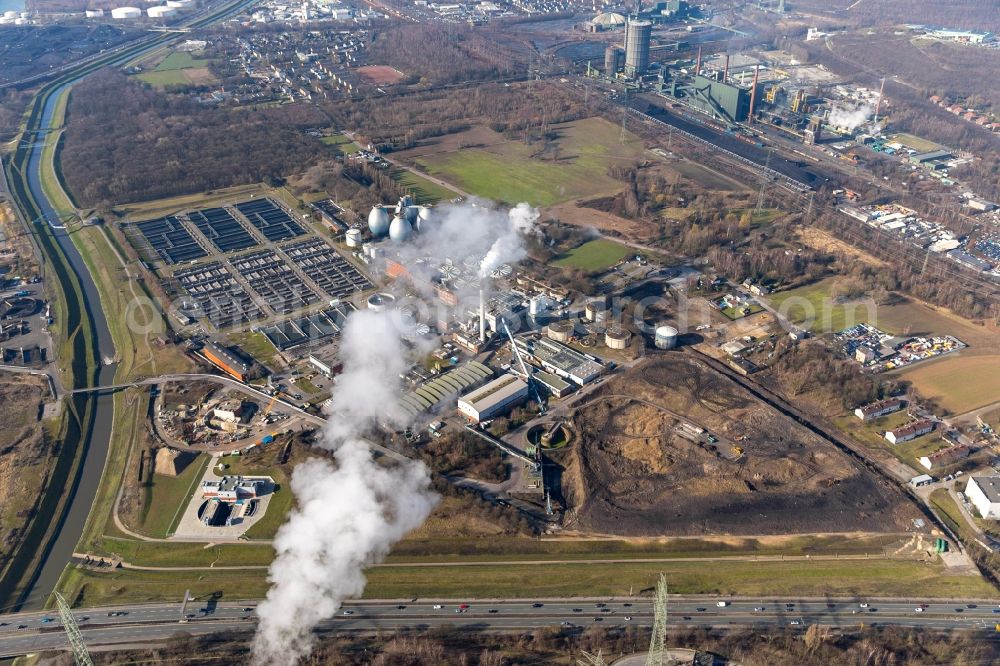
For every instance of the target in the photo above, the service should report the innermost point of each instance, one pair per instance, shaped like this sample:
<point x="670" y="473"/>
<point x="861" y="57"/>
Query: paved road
<point x="149" y="623"/>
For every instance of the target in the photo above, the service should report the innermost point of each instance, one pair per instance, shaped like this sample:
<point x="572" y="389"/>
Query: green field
<point x="512" y="172"/>
<point x="423" y="190"/>
<point x="173" y="70"/>
<point x="813" y="305"/>
<point x="915" y="142"/>
<point x="180" y="60"/>
<point x="959" y="383"/>
<point x="166" y="498"/>
<point x="864" y="578"/>
<point x="595" y="255"/>
<point x="340" y="143"/>
<point x="735" y="313"/>
<point x="170" y="77"/>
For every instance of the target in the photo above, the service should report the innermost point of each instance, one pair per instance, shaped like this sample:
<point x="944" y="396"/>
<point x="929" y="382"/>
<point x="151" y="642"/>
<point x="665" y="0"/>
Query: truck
<point x="721" y="604"/>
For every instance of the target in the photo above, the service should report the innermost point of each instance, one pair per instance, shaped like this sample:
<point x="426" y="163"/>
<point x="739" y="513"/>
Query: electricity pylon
<point x="657" y="644"/>
<point x="591" y="659"/>
<point x="80" y="652"/>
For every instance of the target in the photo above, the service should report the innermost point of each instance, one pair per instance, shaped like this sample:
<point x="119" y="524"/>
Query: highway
<point x="30" y="632"/>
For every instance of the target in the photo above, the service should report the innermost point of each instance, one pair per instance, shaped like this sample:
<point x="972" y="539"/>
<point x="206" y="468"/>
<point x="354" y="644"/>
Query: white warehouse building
<point x="495" y="398"/>
<point x="984" y="494"/>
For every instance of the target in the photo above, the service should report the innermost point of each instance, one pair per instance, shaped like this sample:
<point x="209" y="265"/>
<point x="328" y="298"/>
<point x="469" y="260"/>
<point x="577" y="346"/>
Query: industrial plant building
<point x="720" y="99"/>
<point x="493" y="399"/>
<point x="433" y="393"/>
<point x="226" y="361"/>
<point x="560" y="360"/>
<point x="231" y="489"/>
<point x="983" y="493"/>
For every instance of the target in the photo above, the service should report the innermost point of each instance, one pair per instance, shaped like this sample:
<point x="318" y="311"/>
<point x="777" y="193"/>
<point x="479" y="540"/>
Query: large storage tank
<point x="425" y="216"/>
<point x="94" y="13"/>
<point x="126" y="13"/>
<point x="161" y="11"/>
<point x="353" y="237"/>
<point x="378" y="221"/>
<point x="665" y="337"/>
<point x="400" y="230"/>
<point x="617" y="338"/>
<point x="637" y="35"/>
<point x="560" y="331"/>
<point x="537" y="305"/>
<point x="10" y="15"/>
<point x="179" y="4"/>
<point x="596" y="309"/>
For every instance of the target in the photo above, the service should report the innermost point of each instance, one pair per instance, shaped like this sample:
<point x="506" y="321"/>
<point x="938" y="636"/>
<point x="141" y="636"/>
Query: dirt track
<point x="633" y="473"/>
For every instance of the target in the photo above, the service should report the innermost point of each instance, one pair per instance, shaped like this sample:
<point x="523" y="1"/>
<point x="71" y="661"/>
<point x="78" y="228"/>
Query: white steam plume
<point x="850" y="119"/>
<point x="350" y="514"/>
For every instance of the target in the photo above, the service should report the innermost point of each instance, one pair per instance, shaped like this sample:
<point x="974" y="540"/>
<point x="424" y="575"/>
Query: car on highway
<point x="189" y="616"/>
<point x="598" y="619"/>
<point x="400" y="607"/>
<point x="47" y="620"/>
<point x="118" y="613"/>
<point x="758" y="609"/>
<point x="628" y="618"/>
<point x="248" y="609"/>
<point x="599" y="605"/>
<point x="537" y="605"/>
<point x="795" y="623"/>
<point x="438" y="606"/>
<point x="580" y="610"/>
<point x="463" y="606"/>
<point x="701" y="610"/>
<point x="564" y="623"/>
<point x="863" y="605"/>
<point x="22" y="626"/>
<point x="686" y="617"/>
<point x="996" y="610"/>
<point x="919" y="609"/>
<point x="460" y="610"/>
<point x="626" y="605"/>
<point x="494" y="610"/>
<point x="348" y="612"/>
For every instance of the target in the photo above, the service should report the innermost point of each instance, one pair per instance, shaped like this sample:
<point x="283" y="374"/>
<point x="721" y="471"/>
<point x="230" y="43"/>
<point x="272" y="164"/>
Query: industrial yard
<point x="671" y="448"/>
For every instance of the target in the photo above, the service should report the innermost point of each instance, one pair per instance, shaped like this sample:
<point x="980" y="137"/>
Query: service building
<point x="984" y="494"/>
<point x="493" y="399"/>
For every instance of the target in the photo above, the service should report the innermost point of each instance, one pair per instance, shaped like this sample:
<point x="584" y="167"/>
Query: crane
<point x="524" y="369"/>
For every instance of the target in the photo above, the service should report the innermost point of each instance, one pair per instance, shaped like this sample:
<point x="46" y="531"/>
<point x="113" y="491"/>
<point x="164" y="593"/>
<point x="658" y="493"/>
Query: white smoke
<point x="350" y="514"/>
<point x="476" y="230"/>
<point x="850" y="118"/>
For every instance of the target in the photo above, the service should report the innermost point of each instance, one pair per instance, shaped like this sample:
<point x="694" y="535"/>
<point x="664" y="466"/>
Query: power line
<point x="80" y="652"/>
<point x="657" y="644"/>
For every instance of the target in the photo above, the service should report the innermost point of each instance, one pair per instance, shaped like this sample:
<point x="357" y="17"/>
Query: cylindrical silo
<point x="561" y="331"/>
<point x="613" y="58"/>
<point x="161" y="11"/>
<point x="126" y="13"/>
<point x="617" y="338"/>
<point x="665" y="337"/>
<point x="637" y="34"/>
<point x="353" y="237"/>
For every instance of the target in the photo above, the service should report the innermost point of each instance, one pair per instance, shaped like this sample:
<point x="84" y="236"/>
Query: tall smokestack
<point x="725" y="71"/>
<point x="697" y="65"/>
<point x="878" y="103"/>
<point x="753" y="93"/>
<point x="482" y="316"/>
